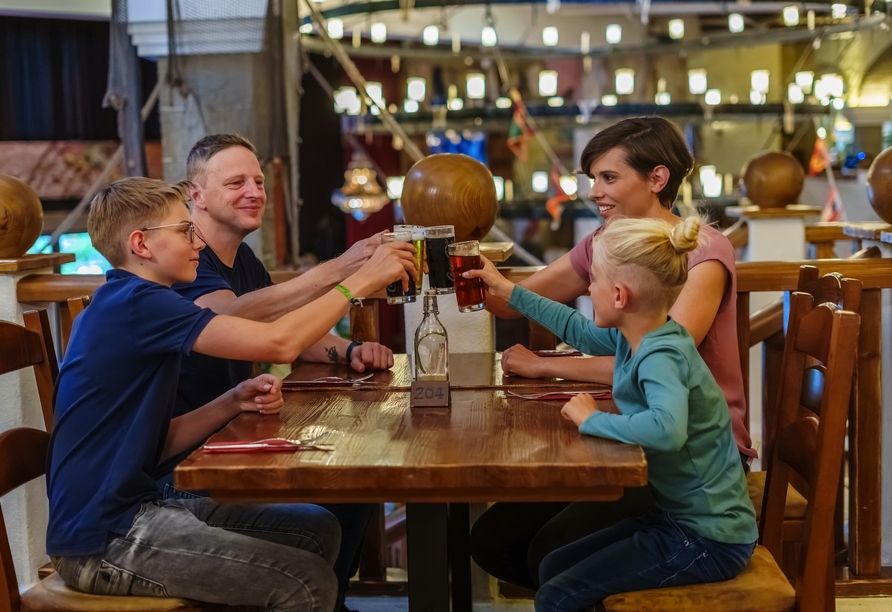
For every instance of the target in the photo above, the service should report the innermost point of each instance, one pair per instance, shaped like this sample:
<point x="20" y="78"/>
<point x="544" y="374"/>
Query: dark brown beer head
<point x="21" y="217"/>
<point x="879" y="185"/>
<point x="451" y="189"/>
<point x="772" y="179"/>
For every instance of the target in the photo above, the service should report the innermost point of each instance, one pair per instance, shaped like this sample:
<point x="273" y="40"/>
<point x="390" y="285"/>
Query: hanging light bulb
<point x="548" y="83"/>
<point x="550" y="36"/>
<point x="713" y="97"/>
<point x="540" y="181"/>
<point x="376" y="93"/>
<point x="430" y="35"/>
<point x="759" y="81"/>
<point x="609" y="100"/>
<point x="475" y="86"/>
<point x="410" y="106"/>
<point x="838" y="11"/>
<point x="503" y="102"/>
<point x="663" y="98"/>
<point x="735" y="23"/>
<point x="697" y="81"/>
<point x="833" y="84"/>
<point x="791" y="15"/>
<point x="822" y="133"/>
<point x="395" y="186"/>
<point x="336" y="28"/>
<point x="805" y="80"/>
<point x="346" y="101"/>
<point x="378" y="32"/>
<point x="569" y="184"/>
<point x="415" y="88"/>
<point x="794" y="94"/>
<point x="555" y="101"/>
<point x="676" y="29"/>
<point x="614" y="34"/>
<point x="757" y="97"/>
<point x="306" y="28"/>
<point x="489" y="38"/>
<point x="625" y="81"/>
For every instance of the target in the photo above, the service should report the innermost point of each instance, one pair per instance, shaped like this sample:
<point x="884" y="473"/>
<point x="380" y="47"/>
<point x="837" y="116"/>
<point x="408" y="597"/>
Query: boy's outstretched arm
<point x="282" y="340"/>
<point x="262" y="394"/>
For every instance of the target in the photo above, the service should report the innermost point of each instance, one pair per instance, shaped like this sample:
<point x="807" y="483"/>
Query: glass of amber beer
<point x="469" y="292"/>
<point x="395" y="292"/>
<point x="418" y="243"/>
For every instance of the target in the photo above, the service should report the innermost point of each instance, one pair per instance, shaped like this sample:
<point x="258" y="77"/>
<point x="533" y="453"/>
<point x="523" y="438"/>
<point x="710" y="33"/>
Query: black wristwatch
<point x="350" y="348"/>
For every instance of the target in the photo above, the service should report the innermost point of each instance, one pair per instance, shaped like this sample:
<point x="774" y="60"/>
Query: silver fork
<point x="536" y="396"/>
<point x="331" y="379"/>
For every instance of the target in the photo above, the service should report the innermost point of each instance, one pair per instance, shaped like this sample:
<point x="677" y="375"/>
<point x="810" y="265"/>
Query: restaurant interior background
<point x="519" y="86"/>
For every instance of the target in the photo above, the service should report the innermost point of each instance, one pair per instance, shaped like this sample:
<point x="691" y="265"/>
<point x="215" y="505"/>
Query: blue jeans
<point x="353" y="519"/>
<point x="277" y="557"/>
<point x="648" y="552"/>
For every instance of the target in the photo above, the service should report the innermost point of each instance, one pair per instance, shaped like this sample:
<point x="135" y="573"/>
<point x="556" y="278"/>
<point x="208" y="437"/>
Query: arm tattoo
<point x="332" y="353"/>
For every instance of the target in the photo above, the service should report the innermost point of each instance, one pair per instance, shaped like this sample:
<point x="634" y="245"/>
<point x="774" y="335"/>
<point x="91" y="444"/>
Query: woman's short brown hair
<point x="647" y="142"/>
<point x="127" y="205"/>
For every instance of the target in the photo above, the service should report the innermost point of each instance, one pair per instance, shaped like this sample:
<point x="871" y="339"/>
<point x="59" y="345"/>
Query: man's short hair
<point x="209" y="146"/>
<point x="127" y="205"/>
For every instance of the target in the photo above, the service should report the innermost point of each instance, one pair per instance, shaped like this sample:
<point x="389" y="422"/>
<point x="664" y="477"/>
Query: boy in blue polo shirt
<point x="108" y="532"/>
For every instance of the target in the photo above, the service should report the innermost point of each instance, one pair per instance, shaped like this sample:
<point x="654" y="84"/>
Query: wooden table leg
<point x="426" y="535"/>
<point x="460" y="557"/>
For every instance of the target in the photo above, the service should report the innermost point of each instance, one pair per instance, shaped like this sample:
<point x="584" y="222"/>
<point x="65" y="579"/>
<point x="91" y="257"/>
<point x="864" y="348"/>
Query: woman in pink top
<point x="637" y="167"/>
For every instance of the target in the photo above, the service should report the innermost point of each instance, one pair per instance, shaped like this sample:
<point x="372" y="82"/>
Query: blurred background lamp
<point x="833" y="84"/>
<point x="805" y="80"/>
<point x="757" y="97"/>
<point x="540" y="181"/>
<point x="712" y="188"/>
<point x="625" y="81"/>
<point x="346" y="101"/>
<point x="410" y="106"/>
<point x="503" y="102"/>
<point x="430" y="35"/>
<point x="306" y="28"/>
<point x="489" y="38"/>
<point x="336" y="28"/>
<point x="379" y="32"/>
<point x="475" y="85"/>
<point x="548" y="83"/>
<point x="838" y="11"/>
<point x="614" y="34"/>
<point x="676" y="29"/>
<point x="585" y="42"/>
<point x="663" y="98"/>
<point x="791" y="15"/>
<point x="822" y="133"/>
<point x="810" y="20"/>
<point x="550" y="36"/>
<point x="500" y="187"/>
<point x="555" y="101"/>
<point x="697" y="81"/>
<point x="713" y="97"/>
<point x="394" y="187"/>
<point x="609" y="100"/>
<point x="455" y="104"/>
<point x="735" y="23"/>
<point x="569" y="184"/>
<point x="759" y="80"/>
<point x="376" y="93"/>
<point x="415" y="88"/>
<point x="794" y="94"/>
<point x="839" y="103"/>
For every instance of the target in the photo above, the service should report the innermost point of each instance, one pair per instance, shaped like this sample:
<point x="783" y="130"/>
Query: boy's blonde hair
<point x="127" y="205"/>
<point x="649" y="254"/>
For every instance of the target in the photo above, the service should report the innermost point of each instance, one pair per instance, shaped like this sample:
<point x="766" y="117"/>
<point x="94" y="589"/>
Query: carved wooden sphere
<point x="879" y="185"/>
<point x="772" y="179"/>
<point x="21" y="217"/>
<point x="451" y="189"/>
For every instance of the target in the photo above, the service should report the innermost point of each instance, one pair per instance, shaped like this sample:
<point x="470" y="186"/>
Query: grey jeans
<point x="276" y="556"/>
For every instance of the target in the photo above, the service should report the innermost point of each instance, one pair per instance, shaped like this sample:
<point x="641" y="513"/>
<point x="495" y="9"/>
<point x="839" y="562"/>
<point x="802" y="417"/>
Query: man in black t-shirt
<point x="228" y="202"/>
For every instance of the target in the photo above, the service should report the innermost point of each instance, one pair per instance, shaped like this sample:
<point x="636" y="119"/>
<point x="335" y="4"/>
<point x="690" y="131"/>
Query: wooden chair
<point x="32" y="346"/>
<point x="809" y="444"/>
<point x="76" y="305"/>
<point x="22" y="459"/>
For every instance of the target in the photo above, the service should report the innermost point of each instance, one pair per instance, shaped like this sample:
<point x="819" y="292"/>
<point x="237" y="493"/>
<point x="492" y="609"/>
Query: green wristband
<point x="355" y="301"/>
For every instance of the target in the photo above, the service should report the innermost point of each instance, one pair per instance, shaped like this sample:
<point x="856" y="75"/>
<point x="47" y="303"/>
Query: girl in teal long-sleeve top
<point x="704" y="526"/>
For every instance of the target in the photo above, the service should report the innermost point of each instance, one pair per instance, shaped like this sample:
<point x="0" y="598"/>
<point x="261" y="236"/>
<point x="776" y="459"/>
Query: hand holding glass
<point x="395" y="292"/>
<point x="470" y="293"/>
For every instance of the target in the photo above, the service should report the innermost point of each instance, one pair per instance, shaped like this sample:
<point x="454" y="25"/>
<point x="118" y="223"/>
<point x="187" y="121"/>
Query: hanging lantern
<point x="361" y="194"/>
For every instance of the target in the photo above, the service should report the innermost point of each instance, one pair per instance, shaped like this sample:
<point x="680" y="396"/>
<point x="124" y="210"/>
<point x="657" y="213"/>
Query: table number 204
<point x="429" y="394"/>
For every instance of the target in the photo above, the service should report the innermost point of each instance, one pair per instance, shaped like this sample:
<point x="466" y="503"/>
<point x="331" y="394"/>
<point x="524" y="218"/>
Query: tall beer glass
<point x="418" y="243"/>
<point x="470" y="293"/>
<point x="395" y="292"/>
<point x="436" y="239"/>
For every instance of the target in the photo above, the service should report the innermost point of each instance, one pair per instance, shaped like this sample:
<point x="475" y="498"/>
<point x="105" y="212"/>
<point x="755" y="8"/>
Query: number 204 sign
<point x="429" y="394"/>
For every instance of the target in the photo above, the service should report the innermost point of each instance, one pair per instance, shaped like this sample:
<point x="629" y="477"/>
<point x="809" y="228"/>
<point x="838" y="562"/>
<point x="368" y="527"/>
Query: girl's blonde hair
<point x="648" y="253"/>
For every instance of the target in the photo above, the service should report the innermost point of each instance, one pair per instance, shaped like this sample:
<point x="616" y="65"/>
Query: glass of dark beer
<point x="436" y="240"/>
<point x="418" y="243"/>
<point x="470" y="293"/>
<point x="395" y="292"/>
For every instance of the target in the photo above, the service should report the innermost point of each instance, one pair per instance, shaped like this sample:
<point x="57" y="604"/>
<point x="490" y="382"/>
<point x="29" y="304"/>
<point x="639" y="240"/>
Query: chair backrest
<point x="32" y="345"/>
<point x="76" y="305"/>
<point x="810" y="446"/>
<point x="22" y="459"/>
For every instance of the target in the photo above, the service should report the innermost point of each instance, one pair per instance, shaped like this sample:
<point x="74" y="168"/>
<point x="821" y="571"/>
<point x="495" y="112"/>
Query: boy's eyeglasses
<point x="187" y="226"/>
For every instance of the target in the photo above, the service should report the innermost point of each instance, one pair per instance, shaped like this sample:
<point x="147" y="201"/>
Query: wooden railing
<point x="823" y="236"/>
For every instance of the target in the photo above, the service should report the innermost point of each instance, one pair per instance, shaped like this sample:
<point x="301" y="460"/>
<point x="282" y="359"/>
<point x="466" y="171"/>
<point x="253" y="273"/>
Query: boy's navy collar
<point x="117" y="273"/>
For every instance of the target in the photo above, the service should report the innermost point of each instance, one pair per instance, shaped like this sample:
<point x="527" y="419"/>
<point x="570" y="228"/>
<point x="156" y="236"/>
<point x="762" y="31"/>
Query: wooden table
<point x="485" y="447"/>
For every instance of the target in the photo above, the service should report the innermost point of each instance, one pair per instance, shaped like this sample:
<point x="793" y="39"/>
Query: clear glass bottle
<point x="431" y="344"/>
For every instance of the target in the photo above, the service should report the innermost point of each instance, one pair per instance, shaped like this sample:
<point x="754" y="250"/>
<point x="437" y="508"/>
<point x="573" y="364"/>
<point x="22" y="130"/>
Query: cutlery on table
<point x="559" y="395"/>
<point x="328" y="380"/>
<point x="268" y="445"/>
